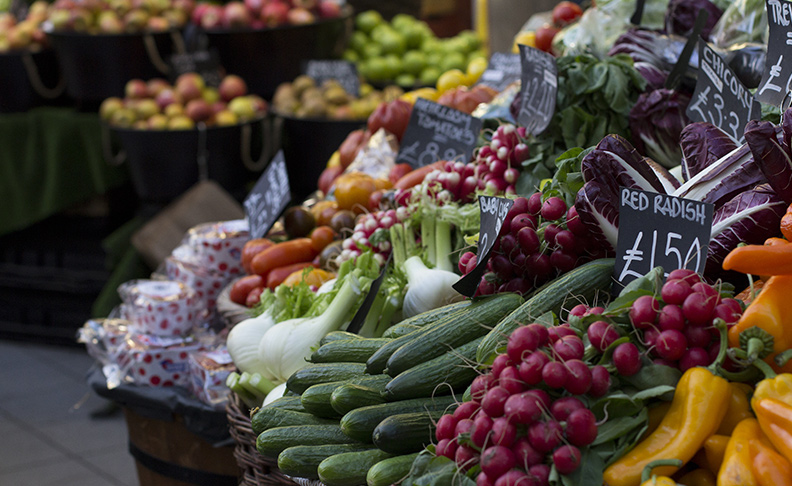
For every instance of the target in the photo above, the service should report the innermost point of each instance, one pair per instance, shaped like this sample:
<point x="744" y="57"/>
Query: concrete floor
<point x="54" y="430"/>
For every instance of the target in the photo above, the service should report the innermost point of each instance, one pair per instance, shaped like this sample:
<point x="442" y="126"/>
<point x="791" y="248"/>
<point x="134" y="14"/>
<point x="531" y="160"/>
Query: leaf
<point x="624" y="302"/>
<point x="615" y="405"/>
<point x="589" y="472"/>
<point x="654" y="392"/>
<point x="624" y="444"/>
<point x="548" y="319"/>
<point x="654" y="375"/>
<point x="614" y="429"/>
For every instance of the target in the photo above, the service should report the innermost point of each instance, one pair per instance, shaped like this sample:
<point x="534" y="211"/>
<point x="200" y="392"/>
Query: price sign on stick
<point x="538" y="92"/>
<point x="503" y="69"/>
<point x="436" y="132"/>
<point x="720" y="98"/>
<point x="777" y="78"/>
<point x="493" y="214"/>
<point x="344" y="72"/>
<point x="269" y="197"/>
<point x="660" y="230"/>
<point x="204" y="62"/>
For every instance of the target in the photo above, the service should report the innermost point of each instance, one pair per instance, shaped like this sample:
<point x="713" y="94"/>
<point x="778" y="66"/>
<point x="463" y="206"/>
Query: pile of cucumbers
<point x="364" y="408"/>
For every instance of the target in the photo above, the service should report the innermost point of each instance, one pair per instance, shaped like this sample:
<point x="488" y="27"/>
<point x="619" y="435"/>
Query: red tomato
<point x="243" y="286"/>
<point x="392" y="116"/>
<point x="565" y="13"/>
<point x="398" y="171"/>
<point x="327" y="177"/>
<point x="544" y="37"/>
<point x="321" y="237"/>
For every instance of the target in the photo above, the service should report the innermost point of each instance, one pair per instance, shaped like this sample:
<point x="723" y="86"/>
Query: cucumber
<point x="455" y="370"/>
<point x="399" y="330"/>
<point x="269" y="418"/>
<point x="287" y="403"/>
<point x="359" y="424"/>
<point x="349" y="468"/>
<point x="348" y="397"/>
<point x="425" y="318"/>
<point x="475" y="322"/>
<point x="339" y="336"/>
<point x="317" y="398"/>
<point x="581" y="283"/>
<point x="390" y="471"/>
<point x="323" y="373"/>
<point x="272" y="442"/>
<point x="347" y="350"/>
<point x="407" y="432"/>
<point x="303" y="461"/>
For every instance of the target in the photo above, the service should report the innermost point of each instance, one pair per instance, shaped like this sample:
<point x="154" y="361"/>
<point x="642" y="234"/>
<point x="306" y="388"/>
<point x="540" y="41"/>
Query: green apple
<point x="109" y="106"/>
<point x="414" y="62"/>
<point x="181" y="122"/>
<point x="243" y="107"/>
<point x="368" y="20"/>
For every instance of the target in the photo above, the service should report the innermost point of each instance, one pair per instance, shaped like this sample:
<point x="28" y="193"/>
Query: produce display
<point x="117" y="17"/>
<point x="157" y="105"/>
<point x="263" y="14"/>
<point x="24" y="34"/>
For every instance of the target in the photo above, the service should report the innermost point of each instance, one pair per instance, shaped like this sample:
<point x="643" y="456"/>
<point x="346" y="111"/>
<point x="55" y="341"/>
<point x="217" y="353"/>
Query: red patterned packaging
<point x="160" y="307"/>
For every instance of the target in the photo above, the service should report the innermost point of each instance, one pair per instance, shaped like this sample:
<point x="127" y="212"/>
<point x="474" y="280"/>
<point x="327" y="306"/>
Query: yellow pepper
<point x="769" y="467"/>
<point x="647" y="479"/>
<point x="779" y="387"/>
<point x="737" y="469"/>
<point x="775" y="419"/>
<point x="739" y="409"/>
<point x="698" y="477"/>
<point x="656" y="415"/>
<point x="715" y="449"/>
<point x="698" y="407"/>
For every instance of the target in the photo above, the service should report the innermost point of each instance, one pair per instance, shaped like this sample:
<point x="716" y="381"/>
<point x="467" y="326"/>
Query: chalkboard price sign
<point x="503" y="69"/>
<point x="436" y="132"/>
<point x="777" y="78"/>
<point x="493" y="214"/>
<point x="539" y="86"/>
<point x="720" y="98"/>
<point x="204" y="62"/>
<point x="344" y="72"/>
<point x="660" y="230"/>
<point x="269" y="197"/>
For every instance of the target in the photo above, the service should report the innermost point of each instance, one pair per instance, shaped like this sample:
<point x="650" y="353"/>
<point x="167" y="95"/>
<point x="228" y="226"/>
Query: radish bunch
<point x="677" y="328"/>
<point x="371" y="232"/>
<point x="539" y="240"/>
<point x="497" y="163"/>
<point x="528" y="412"/>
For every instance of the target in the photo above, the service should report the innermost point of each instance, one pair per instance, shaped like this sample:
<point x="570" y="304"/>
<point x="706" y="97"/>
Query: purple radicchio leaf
<point x="656" y="122"/>
<point x="702" y="144"/>
<point x="786" y="128"/>
<point x="654" y="76"/>
<point x="670" y="183"/>
<point x="728" y="176"/>
<point x="637" y="43"/>
<point x="598" y="208"/>
<point x="772" y="158"/>
<point x="750" y="217"/>
<point x="614" y="162"/>
<point x="681" y="17"/>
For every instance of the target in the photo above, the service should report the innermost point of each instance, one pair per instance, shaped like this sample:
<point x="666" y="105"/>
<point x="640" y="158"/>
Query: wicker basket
<point x="256" y="469"/>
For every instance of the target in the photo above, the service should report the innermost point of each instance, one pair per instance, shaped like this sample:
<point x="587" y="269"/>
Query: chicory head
<point x="771" y="155"/>
<point x="702" y="144"/>
<point x="681" y="17"/>
<point x="656" y="121"/>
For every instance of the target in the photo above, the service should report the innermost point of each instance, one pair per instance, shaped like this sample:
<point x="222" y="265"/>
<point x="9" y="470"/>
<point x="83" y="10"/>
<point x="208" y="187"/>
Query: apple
<point x="158" y="24"/>
<point x="6" y="21"/>
<point x="258" y="103"/>
<point x="136" y="20"/>
<point x="124" y="118"/>
<point x="243" y="107"/>
<point x="155" y="86"/>
<point x="225" y="118"/>
<point x="156" y="7"/>
<point x="219" y="106"/>
<point x="158" y="122"/>
<point x="146" y="108"/>
<point x="257" y="24"/>
<point x="174" y="110"/>
<point x="198" y="12"/>
<point x="254" y="6"/>
<point x="110" y="23"/>
<point x="81" y="19"/>
<point x="306" y="4"/>
<point x="109" y="106"/>
<point x="18" y="38"/>
<point x="60" y="19"/>
<point x="212" y="17"/>
<point x="181" y="122"/>
<point x="136" y="89"/>
<point x="190" y="86"/>
<point x="329" y="9"/>
<point x="4" y="45"/>
<point x="300" y="16"/>
<point x="199" y="110"/>
<point x="274" y="13"/>
<point x="140" y="125"/>
<point x="38" y="11"/>
<point x="235" y="14"/>
<point x="186" y="6"/>
<point x="175" y="18"/>
<point x="121" y="7"/>
<point x="167" y="97"/>
<point x="232" y="86"/>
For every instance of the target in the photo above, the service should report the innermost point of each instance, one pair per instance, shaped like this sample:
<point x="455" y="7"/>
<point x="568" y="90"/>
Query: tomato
<point x="321" y="237"/>
<point x="398" y="171"/>
<point x="392" y="116"/>
<point x="254" y="297"/>
<point x="243" y="286"/>
<point x="253" y="248"/>
<point x="323" y="211"/>
<point x="565" y="13"/>
<point x="544" y="37"/>
<point x="327" y="177"/>
<point x="352" y="191"/>
<point x="351" y="146"/>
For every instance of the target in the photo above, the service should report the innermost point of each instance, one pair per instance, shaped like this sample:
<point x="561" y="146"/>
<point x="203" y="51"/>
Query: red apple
<point x="186" y="6"/>
<point x="258" y="103"/>
<point x="219" y="106"/>
<point x="158" y="24"/>
<point x="306" y="4"/>
<point x="190" y="86"/>
<point x="198" y="12"/>
<point x="329" y="9"/>
<point x="300" y="16"/>
<point x="274" y="14"/>
<point x="236" y="14"/>
<point x="212" y="17"/>
<point x="136" y="89"/>
<point x="232" y="86"/>
<point x="254" y="6"/>
<point x="199" y="110"/>
<point x="257" y="24"/>
<point x="168" y="96"/>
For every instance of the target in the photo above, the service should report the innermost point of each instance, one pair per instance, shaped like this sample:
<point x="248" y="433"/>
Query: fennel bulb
<point x="273" y="395"/>
<point x="286" y="346"/>
<point x="427" y="288"/>
<point x="243" y="343"/>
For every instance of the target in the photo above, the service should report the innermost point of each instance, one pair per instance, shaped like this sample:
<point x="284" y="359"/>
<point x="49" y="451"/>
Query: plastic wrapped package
<point x="160" y="307"/>
<point x="208" y="373"/>
<point x="377" y="157"/>
<point x="158" y="361"/>
<point x="183" y="265"/>
<point x="743" y="21"/>
<point x="218" y="246"/>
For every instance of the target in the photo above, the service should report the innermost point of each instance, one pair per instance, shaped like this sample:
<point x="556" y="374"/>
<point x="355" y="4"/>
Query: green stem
<point x="751" y="285"/>
<point x="397" y="245"/>
<point x="765" y="368"/>
<point x="647" y="472"/>
<point x="392" y="305"/>
<point x="720" y="325"/>
<point x="372" y="318"/>
<point x="782" y="358"/>
<point x="757" y="343"/>
<point x="428" y="239"/>
<point x="748" y="374"/>
<point x="443" y="246"/>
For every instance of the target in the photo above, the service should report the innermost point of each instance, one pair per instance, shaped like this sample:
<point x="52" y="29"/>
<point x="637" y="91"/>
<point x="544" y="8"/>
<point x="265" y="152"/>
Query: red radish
<point x="708" y="290"/>
<point x="522" y="221"/>
<point x="522" y="341"/>
<point x="524" y="408"/>
<point x="697" y="337"/>
<point x="685" y="274"/>
<point x="671" y="317"/>
<point x="566" y="459"/>
<point x="463" y="261"/>
<point x="446" y="448"/>
<point x="543" y="397"/>
<point x="528" y="240"/>
<point x="545" y="436"/>
<point x="578" y="379"/>
<point x="503" y="432"/>
<point x="564" y="406"/>
<point x="665" y="362"/>
<point x="494" y="401"/>
<point x="569" y="347"/>
<point x="557" y="332"/>
<point x="581" y="427"/>
<point x="602" y="334"/>
<point x="483" y="480"/>
<point x="554" y="374"/>
<point x="553" y="208"/>
<point x="466" y="457"/>
<point x="627" y="359"/>
<point x="600" y="381"/>
<point x="541" y="332"/>
<point x="497" y="460"/>
<point x="550" y="233"/>
<point x="733" y="304"/>
<point x="531" y="368"/>
<point x="563" y="261"/>
<point x="579" y="310"/>
<point x="502" y="267"/>
<point x="510" y="380"/>
<point x="575" y="225"/>
<point x="499" y="364"/>
<point x="520" y="206"/>
<point x="675" y="292"/>
<point x="726" y="312"/>
<point x="463" y="427"/>
<point x="446" y="427"/>
<point x="466" y="410"/>
<point x="515" y="477"/>
<point x="671" y="344"/>
<point x="480" y="385"/>
<point x="566" y="240"/>
<point x="535" y="203"/>
<point x="525" y="454"/>
<point x="482" y="428"/>
<point x="595" y="311"/>
<point x="643" y="312"/>
<point x="541" y="472"/>
<point x="539" y="266"/>
<point x="694" y="357"/>
<point x="508" y="245"/>
<point x="650" y="336"/>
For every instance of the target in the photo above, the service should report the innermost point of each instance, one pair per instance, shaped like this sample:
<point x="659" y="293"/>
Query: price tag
<point x="344" y="72"/>
<point x="660" y="230"/>
<point x="538" y="92"/>
<point x="503" y="69"/>
<point x="436" y="132"/>
<point x="493" y="214"/>
<point x="204" y="62"/>
<point x="269" y="197"/>
<point x="777" y="77"/>
<point x="720" y="98"/>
